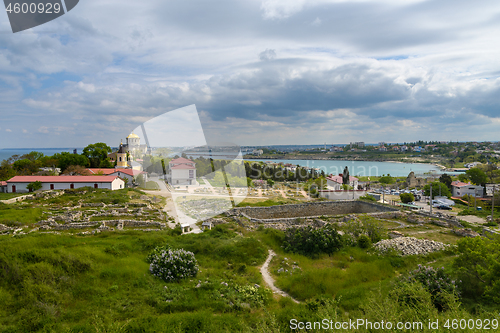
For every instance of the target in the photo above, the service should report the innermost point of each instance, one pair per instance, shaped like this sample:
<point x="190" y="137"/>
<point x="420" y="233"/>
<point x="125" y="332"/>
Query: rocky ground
<point x="409" y="246"/>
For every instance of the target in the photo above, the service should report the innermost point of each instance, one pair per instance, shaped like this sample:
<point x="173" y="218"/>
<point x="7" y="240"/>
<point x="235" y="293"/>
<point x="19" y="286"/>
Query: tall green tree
<point x="65" y="159"/>
<point x="437" y="188"/>
<point x="477" y="176"/>
<point x="97" y="153"/>
<point x="446" y="179"/>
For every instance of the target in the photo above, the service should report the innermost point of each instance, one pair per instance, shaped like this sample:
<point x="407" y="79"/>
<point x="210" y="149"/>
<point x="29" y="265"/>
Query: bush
<point x="368" y="197"/>
<point x="172" y="265"/>
<point x="435" y="281"/>
<point x="406" y="197"/>
<point x="364" y="241"/>
<point x="478" y="267"/>
<point x="310" y="242"/>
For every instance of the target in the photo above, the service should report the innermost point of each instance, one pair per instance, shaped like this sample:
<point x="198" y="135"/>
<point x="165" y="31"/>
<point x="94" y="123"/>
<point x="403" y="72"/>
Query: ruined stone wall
<point x="312" y="209"/>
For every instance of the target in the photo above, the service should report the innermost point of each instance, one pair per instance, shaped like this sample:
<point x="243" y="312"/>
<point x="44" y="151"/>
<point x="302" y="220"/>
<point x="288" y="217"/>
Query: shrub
<point x="368" y="197"/>
<point x="435" y="281"/>
<point x="173" y="265"/>
<point x="364" y="241"/>
<point x="406" y="197"/>
<point x="310" y="242"/>
<point x="478" y="267"/>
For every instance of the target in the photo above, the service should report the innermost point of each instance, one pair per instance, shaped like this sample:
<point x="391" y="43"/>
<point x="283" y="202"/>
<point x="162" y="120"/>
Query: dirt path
<point x="268" y="279"/>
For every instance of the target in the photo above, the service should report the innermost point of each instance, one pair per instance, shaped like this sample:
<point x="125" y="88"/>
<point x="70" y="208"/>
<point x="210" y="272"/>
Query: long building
<point x="19" y="184"/>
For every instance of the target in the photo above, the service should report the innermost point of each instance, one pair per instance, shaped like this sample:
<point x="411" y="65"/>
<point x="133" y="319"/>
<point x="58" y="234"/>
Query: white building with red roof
<point x="3" y="187"/>
<point x="182" y="171"/>
<point x="18" y="184"/>
<point x="336" y="182"/>
<point x="459" y="189"/>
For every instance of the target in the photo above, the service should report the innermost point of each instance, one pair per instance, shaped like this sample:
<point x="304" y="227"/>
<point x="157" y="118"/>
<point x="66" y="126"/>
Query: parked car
<point x="443" y="207"/>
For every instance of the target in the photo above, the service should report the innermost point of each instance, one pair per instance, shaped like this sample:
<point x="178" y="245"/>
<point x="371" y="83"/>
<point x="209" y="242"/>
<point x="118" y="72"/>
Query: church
<point x="124" y="157"/>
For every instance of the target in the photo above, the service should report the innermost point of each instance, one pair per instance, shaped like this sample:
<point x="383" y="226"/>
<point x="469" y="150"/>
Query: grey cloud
<point x="268" y="54"/>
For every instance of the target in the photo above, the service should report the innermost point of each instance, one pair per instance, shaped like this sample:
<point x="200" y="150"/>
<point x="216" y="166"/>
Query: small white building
<point x="459" y="189"/>
<point x="18" y="184"/>
<point x="3" y="187"/>
<point x="182" y="172"/>
<point x="335" y="182"/>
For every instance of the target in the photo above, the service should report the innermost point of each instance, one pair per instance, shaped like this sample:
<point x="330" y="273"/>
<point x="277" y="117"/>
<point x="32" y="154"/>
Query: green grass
<point x="6" y="196"/>
<point x="18" y="214"/>
<point x="101" y="283"/>
<point x="62" y="282"/>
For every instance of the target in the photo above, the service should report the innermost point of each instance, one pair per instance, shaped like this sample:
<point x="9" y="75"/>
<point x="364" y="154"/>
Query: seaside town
<point x="263" y="166"/>
<point x="395" y="220"/>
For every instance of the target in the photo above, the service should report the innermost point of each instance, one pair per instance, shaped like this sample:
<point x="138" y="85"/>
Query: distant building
<point x="459" y="189"/>
<point x="258" y="152"/>
<point x="336" y="182"/>
<point x="382" y="148"/>
<point x="3" y="187"/>
<point x="182" y="172"/>
<point x="472" y="165"/>
<point x="18" y="184"/>
<point x="358" y="144"/>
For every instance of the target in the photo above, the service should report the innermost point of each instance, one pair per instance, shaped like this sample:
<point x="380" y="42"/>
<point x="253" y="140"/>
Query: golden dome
<point x="133" y="136"/>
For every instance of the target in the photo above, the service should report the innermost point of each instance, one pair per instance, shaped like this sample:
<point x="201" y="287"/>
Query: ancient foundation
<point x="314" y="209"/>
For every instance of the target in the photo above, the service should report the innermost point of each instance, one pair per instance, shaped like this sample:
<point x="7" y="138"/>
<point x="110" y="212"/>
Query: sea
<point x="8" y="152"/>
<point x="365" y="168"/>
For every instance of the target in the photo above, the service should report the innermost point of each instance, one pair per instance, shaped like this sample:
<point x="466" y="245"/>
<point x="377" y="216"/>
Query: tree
<point x="407" y="197"/>
<point x="97" y="154"/>
<point x="65" y="159"/>
<point x="76" y="170"/>
<point x="446" y="179"/>
<point x="34" y="186"/>
<point x="387" y="180"/>
<point x="477" y="176"/>
<point x="463" y="178"/>
<point x="6" y="171"/>
<point x="437" y="188"/>
<point x="27" y="166"/>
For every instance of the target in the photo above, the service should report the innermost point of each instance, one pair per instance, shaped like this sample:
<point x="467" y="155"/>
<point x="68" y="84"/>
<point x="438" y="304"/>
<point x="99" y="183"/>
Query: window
<point x="120" y="158"/>
<point x="191" y="173"/>
<point x="51" y="186"/>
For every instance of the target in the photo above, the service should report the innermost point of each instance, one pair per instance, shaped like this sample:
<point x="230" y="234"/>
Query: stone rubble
<point x="409" y="246"/>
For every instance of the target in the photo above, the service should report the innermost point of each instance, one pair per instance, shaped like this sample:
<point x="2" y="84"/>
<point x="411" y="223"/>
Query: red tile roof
<point x="104" y="171"/>
<point x="2" y="183"/>
<point x="180" y="160"/>
<point x="62" y="179"/>
<point x="182" y="166"/>
<point x="458" y="183"/>
<point x="109" y="171"/>
<point x="338" y="179"/>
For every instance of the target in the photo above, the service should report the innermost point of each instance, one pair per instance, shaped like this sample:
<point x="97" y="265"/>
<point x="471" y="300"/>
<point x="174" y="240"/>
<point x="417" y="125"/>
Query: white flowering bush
<point x="173" y="265"/>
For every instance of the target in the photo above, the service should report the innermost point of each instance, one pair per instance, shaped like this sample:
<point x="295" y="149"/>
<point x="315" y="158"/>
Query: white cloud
<point x="419" y="66"/>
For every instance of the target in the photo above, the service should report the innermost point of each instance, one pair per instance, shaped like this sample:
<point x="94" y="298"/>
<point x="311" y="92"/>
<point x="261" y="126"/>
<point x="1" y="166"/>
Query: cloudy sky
<point x="259" y="71"/>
